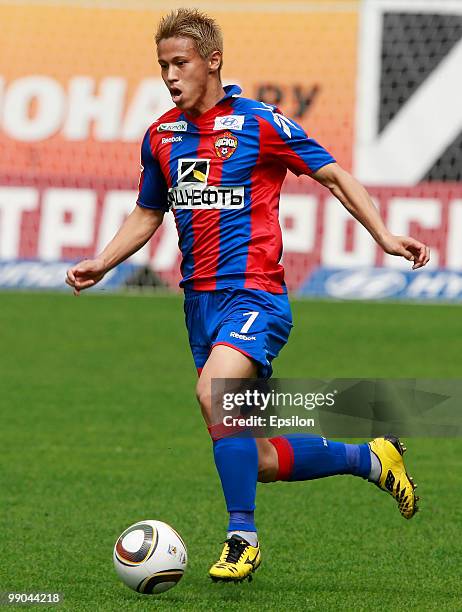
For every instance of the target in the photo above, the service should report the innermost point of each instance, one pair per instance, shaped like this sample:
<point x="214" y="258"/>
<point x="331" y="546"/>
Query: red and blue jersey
<point x="221" y="175"/>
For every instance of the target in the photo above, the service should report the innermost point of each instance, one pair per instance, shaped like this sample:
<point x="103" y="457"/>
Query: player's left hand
<point x="409" y="248"/>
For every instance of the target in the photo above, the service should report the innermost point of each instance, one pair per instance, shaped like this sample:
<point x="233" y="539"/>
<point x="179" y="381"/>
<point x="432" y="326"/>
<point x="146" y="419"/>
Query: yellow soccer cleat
<point x="237" y="562"/>
<point x="393" y="477"/>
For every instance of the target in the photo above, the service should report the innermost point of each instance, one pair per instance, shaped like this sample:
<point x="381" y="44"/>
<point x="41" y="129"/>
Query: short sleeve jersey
<point x="221" y="175"/>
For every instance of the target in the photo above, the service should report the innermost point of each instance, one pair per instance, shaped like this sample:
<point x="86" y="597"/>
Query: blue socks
<point x="309" y="457"/>
<point x="237" y="464"/>
<point x="300" y="458"/>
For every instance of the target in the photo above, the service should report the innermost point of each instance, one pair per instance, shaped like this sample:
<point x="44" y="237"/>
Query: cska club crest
<point x="225" y="145"/>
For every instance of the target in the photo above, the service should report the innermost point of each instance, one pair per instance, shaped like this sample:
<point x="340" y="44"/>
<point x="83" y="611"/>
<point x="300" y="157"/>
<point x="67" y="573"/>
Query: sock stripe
<point x="219" y="431"/>
<point x="285" y="457"/>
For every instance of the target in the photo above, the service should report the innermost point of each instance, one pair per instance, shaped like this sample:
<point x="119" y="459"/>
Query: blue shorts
<point x="254" y="322"/>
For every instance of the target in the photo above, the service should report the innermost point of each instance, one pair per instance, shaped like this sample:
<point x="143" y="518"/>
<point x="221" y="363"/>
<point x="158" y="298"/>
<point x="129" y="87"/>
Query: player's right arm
<point x="136" y="230"/>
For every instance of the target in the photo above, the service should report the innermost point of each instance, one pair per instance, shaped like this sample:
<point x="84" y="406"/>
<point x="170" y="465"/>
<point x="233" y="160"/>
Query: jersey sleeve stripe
<point x="300" y="154"/>
<point x="152" y="186"/>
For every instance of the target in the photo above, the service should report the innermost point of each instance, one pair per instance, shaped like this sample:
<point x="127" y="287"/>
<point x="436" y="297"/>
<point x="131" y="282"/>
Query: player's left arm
<point x="358" y="202"/>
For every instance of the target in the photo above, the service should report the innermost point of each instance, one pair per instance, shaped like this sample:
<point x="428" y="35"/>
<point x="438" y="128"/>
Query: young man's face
<point x="184" y="71"/>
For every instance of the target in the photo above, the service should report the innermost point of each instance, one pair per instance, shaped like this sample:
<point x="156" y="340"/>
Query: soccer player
<point x="218" y="161"/>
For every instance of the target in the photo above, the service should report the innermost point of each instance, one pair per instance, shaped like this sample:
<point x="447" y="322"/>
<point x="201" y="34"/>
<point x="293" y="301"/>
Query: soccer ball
<point x="150" y="557"/>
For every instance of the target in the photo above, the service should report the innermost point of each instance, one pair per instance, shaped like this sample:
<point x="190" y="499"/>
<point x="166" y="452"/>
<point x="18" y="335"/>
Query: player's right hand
<point x="85" y="274"/>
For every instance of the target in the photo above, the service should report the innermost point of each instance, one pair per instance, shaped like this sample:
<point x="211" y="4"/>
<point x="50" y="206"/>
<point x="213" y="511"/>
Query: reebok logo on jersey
<point x="172" y="139"/>
<point x="229" y="122"/>
<point x="225" y="145"/>
<point x="241" y="336"/>
<point x="176" y="126"/>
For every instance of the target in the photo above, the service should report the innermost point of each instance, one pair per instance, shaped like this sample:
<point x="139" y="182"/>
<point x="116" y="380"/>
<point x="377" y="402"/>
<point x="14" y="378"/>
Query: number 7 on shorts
<point x="252" y="316"/>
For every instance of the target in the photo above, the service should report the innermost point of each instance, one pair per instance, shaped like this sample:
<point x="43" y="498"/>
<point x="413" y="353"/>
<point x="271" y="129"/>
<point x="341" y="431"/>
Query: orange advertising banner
<point x="79" y="86"/>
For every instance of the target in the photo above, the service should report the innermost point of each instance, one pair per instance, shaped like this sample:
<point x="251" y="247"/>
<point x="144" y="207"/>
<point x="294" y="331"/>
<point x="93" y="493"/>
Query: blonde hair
<point x="191" y="23"/>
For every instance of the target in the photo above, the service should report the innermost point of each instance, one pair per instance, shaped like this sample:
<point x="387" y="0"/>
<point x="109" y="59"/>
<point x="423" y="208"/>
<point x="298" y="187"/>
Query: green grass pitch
<point x="100" y="429"/>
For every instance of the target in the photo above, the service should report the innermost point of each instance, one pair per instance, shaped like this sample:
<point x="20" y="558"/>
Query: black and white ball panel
<point x="136" y="544"/>
<point x="159" y="582"/>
